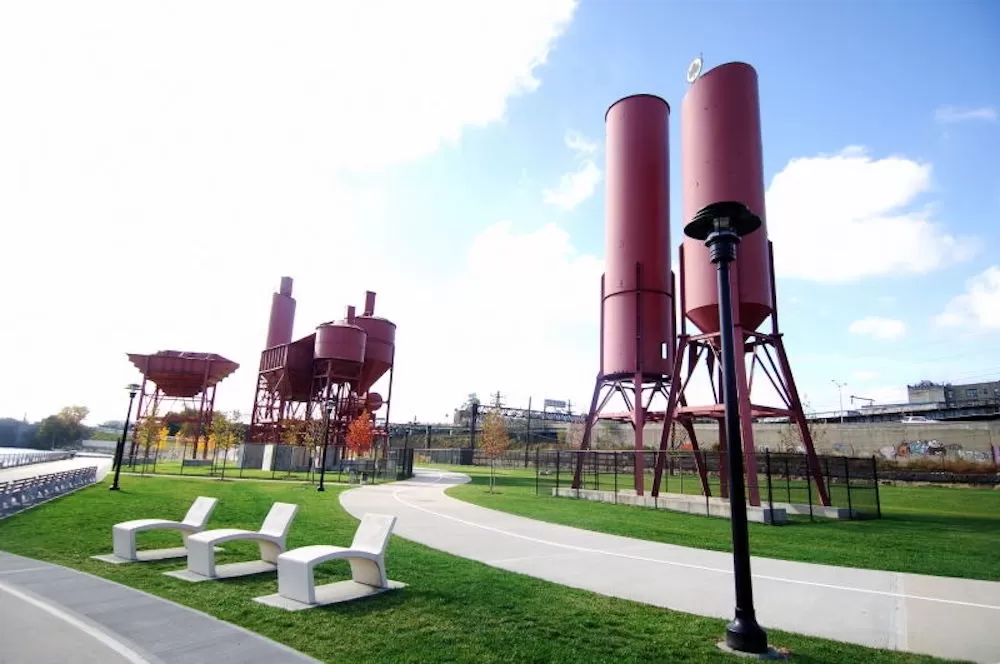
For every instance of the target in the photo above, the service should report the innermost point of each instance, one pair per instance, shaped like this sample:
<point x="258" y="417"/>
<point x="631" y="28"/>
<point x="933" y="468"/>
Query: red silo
<point x="342" y="343"/>
<point x="637" y="281"/>
<point x="722" y="160"/>
<point x="282" y="321"/>
<point x="381" y="345"/>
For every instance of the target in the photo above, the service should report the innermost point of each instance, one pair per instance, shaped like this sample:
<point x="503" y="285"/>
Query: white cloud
<point x="953" y="114"/>
<point x="163" y="166"/>
<point x="878" y="328"/>
<point x="580" y="144"/>
<point x="574" y="188"/>
<point x="978" y="308"/>
<point x="580" y="184"/>
<point x="859" y="214"/>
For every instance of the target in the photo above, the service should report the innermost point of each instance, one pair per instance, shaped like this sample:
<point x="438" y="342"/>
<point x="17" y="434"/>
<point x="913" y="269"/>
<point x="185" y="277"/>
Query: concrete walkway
<point x="34" y="470"/>
<point x="52" y="615"/>
<point x="954" y="618"/>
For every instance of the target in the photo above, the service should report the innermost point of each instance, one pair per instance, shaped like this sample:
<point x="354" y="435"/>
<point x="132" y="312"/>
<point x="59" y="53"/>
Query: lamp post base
<point x="114" y="488"/>
<point x="321" y="489"/>
<point x="771" y="654"/>
<point x="746" y="636"/>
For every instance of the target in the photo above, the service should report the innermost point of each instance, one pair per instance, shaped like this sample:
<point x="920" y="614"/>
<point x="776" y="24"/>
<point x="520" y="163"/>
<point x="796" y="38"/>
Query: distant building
<point x="951" y="395"/>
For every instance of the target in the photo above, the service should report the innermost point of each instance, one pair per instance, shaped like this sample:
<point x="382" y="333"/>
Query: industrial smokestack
<point x="369" y="303"/>
<point x="350" y="317"/>
<point x="279" y="328"/>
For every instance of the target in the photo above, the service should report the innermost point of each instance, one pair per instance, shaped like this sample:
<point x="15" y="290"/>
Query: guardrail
<point x="28" y="458"/>
<point x="18" y="495"/>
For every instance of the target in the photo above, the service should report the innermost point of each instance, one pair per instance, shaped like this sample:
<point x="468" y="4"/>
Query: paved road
<point x="955" y="618"/>
<point x="52" y="614"/>
<point x="20" y="472"/>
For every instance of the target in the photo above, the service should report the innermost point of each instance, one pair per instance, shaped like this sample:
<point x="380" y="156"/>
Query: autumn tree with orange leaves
<point x="495" y="441"/>
<point x="361" y="434"/>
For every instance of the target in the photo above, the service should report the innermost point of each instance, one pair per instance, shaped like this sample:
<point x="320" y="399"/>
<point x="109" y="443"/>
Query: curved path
<point x="955" y="618"/>
<point x="52" y="615"/>
<point x="102" y="463"/>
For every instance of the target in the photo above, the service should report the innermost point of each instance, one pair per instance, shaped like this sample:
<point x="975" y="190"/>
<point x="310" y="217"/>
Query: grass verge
<point x="940" y="531"/>
<point x="453" y="610"/>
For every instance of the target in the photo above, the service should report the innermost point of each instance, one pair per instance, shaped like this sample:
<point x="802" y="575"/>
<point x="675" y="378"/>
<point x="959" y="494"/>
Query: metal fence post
<point x="597" y="470"/>
<point x="809" y="491"/>
<point x="847" y="480"/>
<point x="557" y="472"/>
<point x="536" y="472"/>
<point x="878" y="499"/>
<point x="788" y="480"/>
<point x="770" y="493"/>
<point x="614" y="457"/>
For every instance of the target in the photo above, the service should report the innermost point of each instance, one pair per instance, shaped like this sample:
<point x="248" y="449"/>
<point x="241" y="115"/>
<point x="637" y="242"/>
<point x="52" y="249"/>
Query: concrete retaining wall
<point x="677" y="503"/>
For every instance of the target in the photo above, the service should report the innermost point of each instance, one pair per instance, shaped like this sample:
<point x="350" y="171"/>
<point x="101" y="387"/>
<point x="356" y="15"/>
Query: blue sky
<point x="832" y="75"/>
<point x="422" y="157"/>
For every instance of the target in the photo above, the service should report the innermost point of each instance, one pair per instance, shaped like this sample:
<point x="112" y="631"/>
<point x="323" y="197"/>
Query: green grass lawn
<point x="231" y="471"/>
<point x="453" y="610"/>
<point x="925" y="530"/>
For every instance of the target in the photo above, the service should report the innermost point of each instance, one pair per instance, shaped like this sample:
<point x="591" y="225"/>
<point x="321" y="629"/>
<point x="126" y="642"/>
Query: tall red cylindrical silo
<point x="282" y="321"/>
<point x="637" y="302"/>
<point x="722" y="160"/>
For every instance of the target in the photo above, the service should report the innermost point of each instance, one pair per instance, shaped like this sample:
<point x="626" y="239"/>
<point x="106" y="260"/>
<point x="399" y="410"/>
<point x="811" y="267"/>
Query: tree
<point x="225" y="434"/>
<point x="63" y="428"/>
<point x="74" y="414"/>
<point x="147" y="434"/>
<point x="293" y="431"/>
<point x="227" y="430"/>
<point x="495" y="441"/>
<point x="361" y="433"/>
<point x="574" y="434"/>
<point x="790" y="438"/>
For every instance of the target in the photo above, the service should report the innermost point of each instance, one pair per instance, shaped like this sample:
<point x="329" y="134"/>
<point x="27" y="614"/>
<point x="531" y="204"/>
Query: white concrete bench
<point x="366" y="555"/>
<point x="271" y="539"/>
<point x="123" y="534"/>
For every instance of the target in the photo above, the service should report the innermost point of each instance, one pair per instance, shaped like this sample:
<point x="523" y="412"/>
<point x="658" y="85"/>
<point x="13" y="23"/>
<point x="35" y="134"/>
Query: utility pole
<point x="840" y="391"/>
<point x="497" y="399"/>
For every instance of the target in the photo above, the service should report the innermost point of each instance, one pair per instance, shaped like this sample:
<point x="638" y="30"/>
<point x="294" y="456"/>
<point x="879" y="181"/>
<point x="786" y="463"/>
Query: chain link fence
<point x="781" y="480"/>
<point x="271" y="462"/>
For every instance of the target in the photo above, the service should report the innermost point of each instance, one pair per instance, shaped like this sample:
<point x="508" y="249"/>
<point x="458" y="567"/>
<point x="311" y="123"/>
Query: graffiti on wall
<point x="935" y="448"/>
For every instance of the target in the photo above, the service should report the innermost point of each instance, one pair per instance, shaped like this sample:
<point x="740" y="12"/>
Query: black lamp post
<point x="720" y="226"/>
<point x="133" y="389"/>
<point x="326" y="439"/>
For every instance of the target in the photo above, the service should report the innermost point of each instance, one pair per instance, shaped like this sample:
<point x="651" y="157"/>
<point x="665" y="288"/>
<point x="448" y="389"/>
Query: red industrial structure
<point x="637" y="310"/>
<point x="640" y="356"/>
<point x="722" y="160"/>
<point x="337" y="364"/>
<point x="183" y="385"/>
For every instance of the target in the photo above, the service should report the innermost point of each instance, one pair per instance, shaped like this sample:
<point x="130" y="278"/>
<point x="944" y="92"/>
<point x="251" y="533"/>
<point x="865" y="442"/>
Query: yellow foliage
<point x="495" y="439"/>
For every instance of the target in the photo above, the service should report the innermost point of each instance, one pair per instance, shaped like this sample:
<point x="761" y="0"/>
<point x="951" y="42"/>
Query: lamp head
<point x="330" y="403"/>
<point x="722" y="217"/>
<point x="133" y="389"/>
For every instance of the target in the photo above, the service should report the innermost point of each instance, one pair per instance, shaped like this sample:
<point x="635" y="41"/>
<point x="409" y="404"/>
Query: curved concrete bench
<point x="123" y="534"/>
<point x="271" y="539"/>
<point x="296" y="581"/>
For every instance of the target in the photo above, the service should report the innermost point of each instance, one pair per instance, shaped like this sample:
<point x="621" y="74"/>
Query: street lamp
<point x="133" y="389"/>
<point x="840" y="392"/>
<point x="720" y="226"/>
<point x="328" y="406"/>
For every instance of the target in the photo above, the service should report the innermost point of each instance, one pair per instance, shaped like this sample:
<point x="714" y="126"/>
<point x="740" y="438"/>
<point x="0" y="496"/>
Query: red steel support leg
<point x="699" y="460"/>
<point x="668" y="418"/>
<point x="800" y="417"/>
<point x="746" y="422"/>
<point x="587" y="431"/>
<point x="640" y="450"/>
